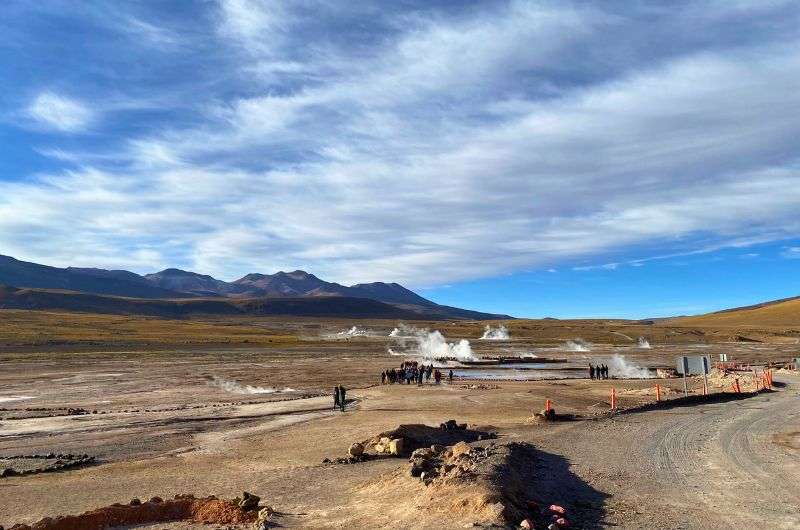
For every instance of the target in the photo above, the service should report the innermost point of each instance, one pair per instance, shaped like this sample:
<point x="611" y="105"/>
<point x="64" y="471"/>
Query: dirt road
<point x="723" y="465"/>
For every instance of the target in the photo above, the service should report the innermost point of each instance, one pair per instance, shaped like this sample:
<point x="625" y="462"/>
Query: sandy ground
<point x="186" y="422"/>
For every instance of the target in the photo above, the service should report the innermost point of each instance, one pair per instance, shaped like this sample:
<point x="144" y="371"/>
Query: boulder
<point x="249" y="502"/>
<point x="526" y="524"/>
<point x="461" y="448"/>
<point x="422" y="453"/>
<point x="356" y="450"/>
<point x="262" y="522"/>
<point x="380" y="448"/>
<point x="396" y="447"/>
<point x="437" y="449"/>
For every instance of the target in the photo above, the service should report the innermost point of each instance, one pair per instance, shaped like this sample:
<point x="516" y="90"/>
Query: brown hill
<point x="316" y="306"/>
<point x="778" y="313"/>
<point x="175" y="283"/>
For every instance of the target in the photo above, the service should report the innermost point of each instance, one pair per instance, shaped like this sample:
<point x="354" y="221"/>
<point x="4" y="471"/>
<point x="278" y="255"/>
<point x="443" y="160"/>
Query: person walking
<point x="591" y="372"/>
<point x="335" y="397"/>
<point x="450" y="377"/>
<point x="437" y="376"/>
<point x="383" y="377"/>
<point x="342" y="397"/>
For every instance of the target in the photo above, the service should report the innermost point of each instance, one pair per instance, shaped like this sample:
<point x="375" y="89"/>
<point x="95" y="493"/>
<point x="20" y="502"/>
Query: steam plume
<point x="238" y="388"/>
<point x="355" y="331"/>
<point x="578" y="345"/>
<point x="499" y="333"/>
<point x="430" y="344"/>
<point x="618" y="366"/>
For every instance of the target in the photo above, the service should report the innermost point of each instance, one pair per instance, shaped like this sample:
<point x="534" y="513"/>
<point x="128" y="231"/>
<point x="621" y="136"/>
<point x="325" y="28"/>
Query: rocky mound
<point x="11" y="466"/>
<point x="417" y="436"/>
<point x="483" y="485"/>
<point x="209" y="510"/>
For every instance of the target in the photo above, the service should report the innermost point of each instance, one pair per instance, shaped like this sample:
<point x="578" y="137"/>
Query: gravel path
<point x="707" y="466"/>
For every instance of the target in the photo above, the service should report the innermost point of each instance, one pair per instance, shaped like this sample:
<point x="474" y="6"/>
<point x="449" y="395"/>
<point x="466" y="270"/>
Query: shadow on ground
<point x="547" y="479"/>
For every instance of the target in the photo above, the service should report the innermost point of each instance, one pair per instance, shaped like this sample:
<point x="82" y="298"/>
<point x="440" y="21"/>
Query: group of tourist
<point x="413" y="371"/>
<point x="598" y="372"/>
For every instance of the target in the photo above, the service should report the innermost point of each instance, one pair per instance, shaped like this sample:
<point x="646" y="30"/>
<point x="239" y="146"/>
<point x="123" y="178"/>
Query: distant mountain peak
<point x="253" y="276"/>
<point x="177" y="283"/>
<point x="178" y="272"/>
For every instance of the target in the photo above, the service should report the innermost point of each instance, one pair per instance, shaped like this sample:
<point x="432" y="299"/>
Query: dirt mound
<point x="417" y="436"/>
<point x="209" y="510"/>
<point x="460" y="485"/>
<point x="724" y="380"/>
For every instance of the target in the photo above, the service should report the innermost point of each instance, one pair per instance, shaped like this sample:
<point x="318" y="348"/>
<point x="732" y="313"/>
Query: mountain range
<point x="176" y="293"/>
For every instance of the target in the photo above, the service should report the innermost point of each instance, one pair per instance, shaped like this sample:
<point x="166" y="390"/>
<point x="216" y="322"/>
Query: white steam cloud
<point x="618" y="366"/>
<point x="578" y="345"/>
<point x="355" y="331"/>
<point x="430" y="344"/>
<point x="237" y="388"/>
<point x="643" y="343"/>
<point x="499" y="333"/>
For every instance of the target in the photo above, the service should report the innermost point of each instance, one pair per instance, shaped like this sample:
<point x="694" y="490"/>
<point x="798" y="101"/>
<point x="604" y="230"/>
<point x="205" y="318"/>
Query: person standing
<point x="342" y="397"/>
<point x="335" y="397"/>
<point x="591" y="372"/>
<point x="383" y="377"/>
<point x="450" y="377"/>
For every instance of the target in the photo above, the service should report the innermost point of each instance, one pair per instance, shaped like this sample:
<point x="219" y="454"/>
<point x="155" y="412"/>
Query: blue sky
<point x="534" y="158"/>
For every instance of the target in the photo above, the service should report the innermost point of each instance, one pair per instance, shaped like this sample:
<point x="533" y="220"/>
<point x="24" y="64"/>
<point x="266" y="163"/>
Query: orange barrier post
<point x="705" y="388"/>
<point x="613" y="399"/>
<point x="738" y="388"/>
<point x="547" y="406"/>
<point x="658" y="392"/>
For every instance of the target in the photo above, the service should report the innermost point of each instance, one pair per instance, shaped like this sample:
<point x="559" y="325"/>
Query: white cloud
<point x="258" y="25"/>
<point x="453" y="148"/>
<point x="59" y="112"/>
<point x="791" y="252"/>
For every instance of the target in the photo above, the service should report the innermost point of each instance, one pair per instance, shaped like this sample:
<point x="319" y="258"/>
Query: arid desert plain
<point x="156" y="408"/>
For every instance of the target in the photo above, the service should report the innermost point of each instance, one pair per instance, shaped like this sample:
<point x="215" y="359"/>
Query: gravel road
<point x="724" y="465"/>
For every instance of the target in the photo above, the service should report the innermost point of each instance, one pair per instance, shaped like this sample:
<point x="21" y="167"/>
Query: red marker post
<point x="658" y="392"/>
<point x="613" y="399"/>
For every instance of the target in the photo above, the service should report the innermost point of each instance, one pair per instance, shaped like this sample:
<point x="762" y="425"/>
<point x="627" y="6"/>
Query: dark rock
<point x="249" y="502"/>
